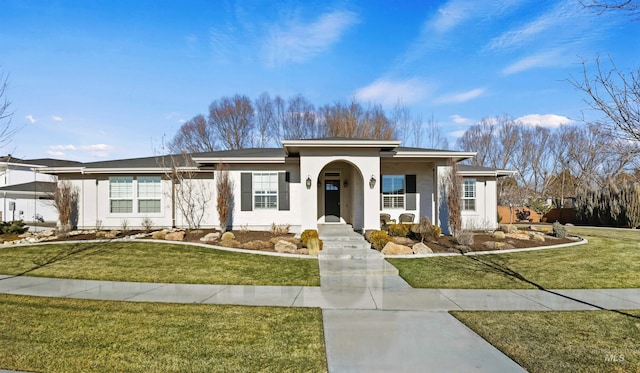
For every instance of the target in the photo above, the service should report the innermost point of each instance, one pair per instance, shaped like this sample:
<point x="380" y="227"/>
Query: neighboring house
<point x="304" y="183"/>
<point x="25" y="193"/>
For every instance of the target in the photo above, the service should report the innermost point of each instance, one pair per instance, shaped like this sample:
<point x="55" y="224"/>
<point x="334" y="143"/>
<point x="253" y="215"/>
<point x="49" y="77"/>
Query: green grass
<point x="611" y="259"/>
<point x="156" y="262"/>
<point x="66" y="335"/>
<point x="563" y="341"/>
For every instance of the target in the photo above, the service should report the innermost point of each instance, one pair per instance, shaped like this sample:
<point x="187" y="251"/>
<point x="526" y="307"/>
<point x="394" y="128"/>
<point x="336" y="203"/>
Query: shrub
<point x="465" y="238"/>
<point x="425" y="229"/>
<point x="307" y="235"/>
<point x="124" y="225"/>
<point x="147" y="224"/>
<point x="378" y="239"/>
<point x="159" y="235"/>
<point x="314" y="245"/>
<point x="559" y="230"/>
<point x="13" y="227"/>
<point x="279" y="230"/>
<point x="228" y="236"/>
<point x="224" y="202"/>
<point x="399" y="230"/>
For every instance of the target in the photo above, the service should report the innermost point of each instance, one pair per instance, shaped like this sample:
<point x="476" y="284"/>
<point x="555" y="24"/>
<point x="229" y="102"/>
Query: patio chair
<point x="406" y="218"/>
<point x="385" y="219"/>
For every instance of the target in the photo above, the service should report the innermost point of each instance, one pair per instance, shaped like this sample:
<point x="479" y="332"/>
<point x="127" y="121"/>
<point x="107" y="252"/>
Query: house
<point x="303" y="183"/>
<point x="25" y="193"/>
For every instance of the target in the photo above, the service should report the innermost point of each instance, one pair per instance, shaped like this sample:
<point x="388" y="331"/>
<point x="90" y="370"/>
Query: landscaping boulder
<point x="255" y="245"/>
<point x="227" y="236"/>
<point x="283" y="246"/>
<point x="392" y="248"/>
<point x="211" y="237"/>
<point x="518" y="236"/>
<point x="403" y="241"/>
<point x="508" y="228"/>
<point x="499" y="235"/>
<point x="111" y="234"/>
<point x="493" y="245"/>
<point x="537" y="237"/>
<point x="421" y="248"/>
<point x="158" y="235"/>
<point x="175" y="236"/>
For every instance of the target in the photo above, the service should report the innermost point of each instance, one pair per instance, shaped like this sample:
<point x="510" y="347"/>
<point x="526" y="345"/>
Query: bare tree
<point x="232" y="121"/>
<point x="299" y="119"/>
<point x="7" y="129"/>
<point x="454" y="199"/>
<point x="194" y="136"/>
<point x="433" y="134"/>
<point x="616" y="94"/>
<point x="403" y="122"/>
<point x="352" y="120"/>
<point x="190" y="192"/>
<point x="224" y="200"/>
<point x="265" y="120"/>
<point x="629" y="8"/>
<point x="65" y="201"/>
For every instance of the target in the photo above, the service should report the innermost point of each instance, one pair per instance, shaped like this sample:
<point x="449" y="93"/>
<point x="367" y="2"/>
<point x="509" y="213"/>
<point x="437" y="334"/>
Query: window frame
<point x="269" y="196"/>
<point x="394" y="200"/>
<point x="469" y="194"/>
<point x="132" y="195"/>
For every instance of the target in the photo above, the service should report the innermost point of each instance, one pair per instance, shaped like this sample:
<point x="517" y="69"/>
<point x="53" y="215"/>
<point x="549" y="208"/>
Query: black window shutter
<point x="246" y="203"/>
<point x="283" y="191"/>
<point x="410" y="185"/>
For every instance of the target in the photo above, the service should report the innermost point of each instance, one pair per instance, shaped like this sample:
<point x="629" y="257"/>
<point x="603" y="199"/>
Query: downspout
<point x="173" y="203"/>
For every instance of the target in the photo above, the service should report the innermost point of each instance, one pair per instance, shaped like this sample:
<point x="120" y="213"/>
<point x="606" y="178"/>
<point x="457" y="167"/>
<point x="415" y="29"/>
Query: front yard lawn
<point x="156" y="262"/>
<point x="562" y="341"/>
<point x="67" y="335"/>
<point x="611" y="259"/>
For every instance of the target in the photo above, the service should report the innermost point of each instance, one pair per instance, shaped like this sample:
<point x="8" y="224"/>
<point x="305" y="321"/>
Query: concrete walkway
<point x="373" y="320"/>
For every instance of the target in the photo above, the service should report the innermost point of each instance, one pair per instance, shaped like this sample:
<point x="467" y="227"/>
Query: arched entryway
<point x="341" y="194"/>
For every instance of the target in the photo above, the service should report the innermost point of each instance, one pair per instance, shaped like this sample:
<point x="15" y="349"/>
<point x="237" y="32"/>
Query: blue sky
<point x="92" y="80"/>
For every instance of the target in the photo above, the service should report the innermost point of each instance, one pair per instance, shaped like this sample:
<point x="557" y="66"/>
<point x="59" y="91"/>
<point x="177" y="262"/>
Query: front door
<point x="332" y="201"/>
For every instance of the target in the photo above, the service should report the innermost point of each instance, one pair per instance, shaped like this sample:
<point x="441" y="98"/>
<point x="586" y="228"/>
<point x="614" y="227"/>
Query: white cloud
<point x="62" y="147"/>
<point x="30" y="118"/>
<point x="559" y="17"/>
<point x="459" y="119"/>
<point x="55" y="153"/>
<point x="461" y="97"/>
<point x="298" y="42"/>
<point x="544" y="120"/>
<point x="388" y="92"/>
<point x="56" y="118"/>
<point x="97" y="150"/>
<point x="545" y="59"/>
<point x="171" y="115"/>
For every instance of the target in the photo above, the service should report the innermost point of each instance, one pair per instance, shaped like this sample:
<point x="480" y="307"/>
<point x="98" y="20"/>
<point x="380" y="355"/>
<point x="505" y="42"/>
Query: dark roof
<point x="241" y="153"/>
<point x="409" y="149"/>
<point x="466" y="167"/>
<point x="34" y="186"/>
<point x="48" y="162"/>
<point x="146" y="162"/>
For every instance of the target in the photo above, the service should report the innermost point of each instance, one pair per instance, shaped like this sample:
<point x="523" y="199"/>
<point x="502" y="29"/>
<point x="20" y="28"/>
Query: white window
<point x="265" y="190"/>
<point x="147" y="198"/>
<point x="393" y="191"/>
<point x="121" y="194"/>
<point x="469" y="195"/>
<point x="149" y="194"/>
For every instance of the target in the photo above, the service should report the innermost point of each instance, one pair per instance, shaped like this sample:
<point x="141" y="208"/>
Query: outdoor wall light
<point x="308" y="182"/>
<point x="372" y="182"/>
<point x="346" y="184"/>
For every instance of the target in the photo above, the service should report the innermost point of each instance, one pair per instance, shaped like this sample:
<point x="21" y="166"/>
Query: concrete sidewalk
<point x="328" y="298"/>
<point x="372" y="322"/>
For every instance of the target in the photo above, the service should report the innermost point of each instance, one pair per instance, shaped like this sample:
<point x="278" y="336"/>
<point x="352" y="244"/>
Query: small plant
<point x="399" y="230"/>
<point x="124" y="225"/>
<point x="280" y="230"/>
<point x="378" y="239"/>
<point x="147" y="224"/>
<point x="307" y="235"/>
<point x="244" y="228"/>
<point x="228" y="236"/>
<point x="499" y="218"/>
<point x="425" y="229"/>
<point x="465" y="238"/>
<point x="14" y="227"/>
<point x="314" y="245"/>
<point x="98" y="225"/>
<point x="523" y="214"/>
<point x="559" y="230"/>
